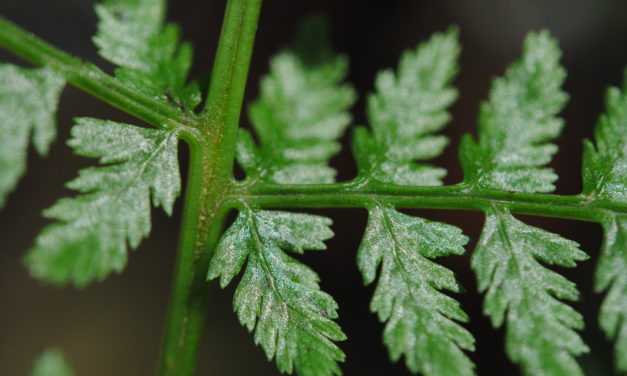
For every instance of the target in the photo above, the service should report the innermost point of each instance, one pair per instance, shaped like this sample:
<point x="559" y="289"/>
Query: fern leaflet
<point x="404" y="112"/>
<point x="540" y="333"/>
<point x="419" y="317"/>
<point x="605" y="178"/>
<point x="28" y="104"/>
<point x="131" y="34"/>
<point x="278" y="297"/>
<point x="112" y="211"/>
<point x="302" y="111"/>
<point x="517" y="123"/>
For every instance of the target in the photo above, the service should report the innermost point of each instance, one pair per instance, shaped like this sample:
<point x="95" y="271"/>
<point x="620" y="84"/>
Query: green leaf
<point x="28" y="105"/>
<point x="278" y="297"/>
<point x="540" y="331"/>
<point x="405" y="111"/>
<point x="611" y="276"/>
<point x="605" y="167"/>
<point x="420" y="318"/>
<point x="112" y="212"/>
<point x="302" y="111"/>
<point x="518" y="122"/>
<point x="605" y="178"/>
<point x="132" y="35"/>
<point x="51" y="363"/>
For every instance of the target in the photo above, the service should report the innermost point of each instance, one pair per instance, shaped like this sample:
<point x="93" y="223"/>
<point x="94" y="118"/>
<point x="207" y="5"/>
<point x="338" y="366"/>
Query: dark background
<point x="114" y="327"/>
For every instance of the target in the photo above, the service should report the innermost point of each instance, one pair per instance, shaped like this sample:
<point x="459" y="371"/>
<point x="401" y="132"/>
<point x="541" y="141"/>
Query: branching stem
<point x="94" y="81"/>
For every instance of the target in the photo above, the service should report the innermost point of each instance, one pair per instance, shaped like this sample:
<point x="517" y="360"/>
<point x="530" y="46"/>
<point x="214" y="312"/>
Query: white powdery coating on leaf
<point x="420" y="319"/>
<point x="125" y="28"/>
<point x="611" y="276"/>
<point x="540" y="333"/>
<point x="278" y="297"/>
<point x="518" y="122"/>
<point x="150" y="56"/>
<point x="605" y="167"/>
<point x="28" y="104"/>
<point x="605" y="178"/>
<point x="112" y="212"/>
<point x="302" y="111"/>
<point x="405" y="109"/>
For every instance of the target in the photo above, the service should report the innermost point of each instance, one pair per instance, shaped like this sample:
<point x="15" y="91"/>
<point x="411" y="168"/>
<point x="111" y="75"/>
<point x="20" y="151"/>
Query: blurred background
<point x="114" y="327"/>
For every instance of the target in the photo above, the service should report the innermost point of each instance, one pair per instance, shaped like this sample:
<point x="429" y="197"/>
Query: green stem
<point x="229" y="74"/>
<point x="459" y="197"/>
<point x="94" y="81"/>
<point x="210" y="178"/>
<point x="188" y="303"/>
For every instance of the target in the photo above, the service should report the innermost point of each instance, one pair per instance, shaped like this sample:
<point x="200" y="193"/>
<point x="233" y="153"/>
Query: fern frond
<point x="421" y="320"/>
<point x="278" y="297"/>
<point x="112" y="211"/>
<point x="605" y="178"/>
<point x="518" y="122"/>
<point x="28" y="105"/>
<point x="150" y="56"/>
<point x="407" y="108"/>
<point x="302" y="111"/>
<point x="540" y="330"/>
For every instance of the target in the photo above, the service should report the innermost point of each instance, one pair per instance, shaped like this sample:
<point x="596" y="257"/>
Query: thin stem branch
<point x="458" y="197"/>
<point x="94" y="81"/>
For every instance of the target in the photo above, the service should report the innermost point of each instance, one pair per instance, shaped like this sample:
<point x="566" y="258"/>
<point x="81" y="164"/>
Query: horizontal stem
<point x="94" y="81"/>
<point x="457" y="197"/>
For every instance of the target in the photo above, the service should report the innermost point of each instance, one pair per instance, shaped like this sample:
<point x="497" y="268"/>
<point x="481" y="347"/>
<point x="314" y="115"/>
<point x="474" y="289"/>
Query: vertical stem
<point x="210" y="177"/>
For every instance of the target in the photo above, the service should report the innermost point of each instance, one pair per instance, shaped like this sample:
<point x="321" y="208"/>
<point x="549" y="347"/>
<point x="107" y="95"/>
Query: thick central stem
<point x="210" y="177"/>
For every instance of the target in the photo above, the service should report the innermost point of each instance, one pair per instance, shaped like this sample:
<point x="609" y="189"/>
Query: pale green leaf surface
<point x="94" y="230"/>
<point x="300" y="114"/>
<point x="605" y="167"/>
<point x="51" y="363"/>
<point x="611" y="276"/>
<point x="420" y="319"/>
<point x="278" y="297"/>
<point x="28" y="105"/>
<point x="132" y="35"/>
<point x="605" y="178"/>
<point x="405" y="111"/>
<point x="518" y="123"/>
<point x="523" y="293"/>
